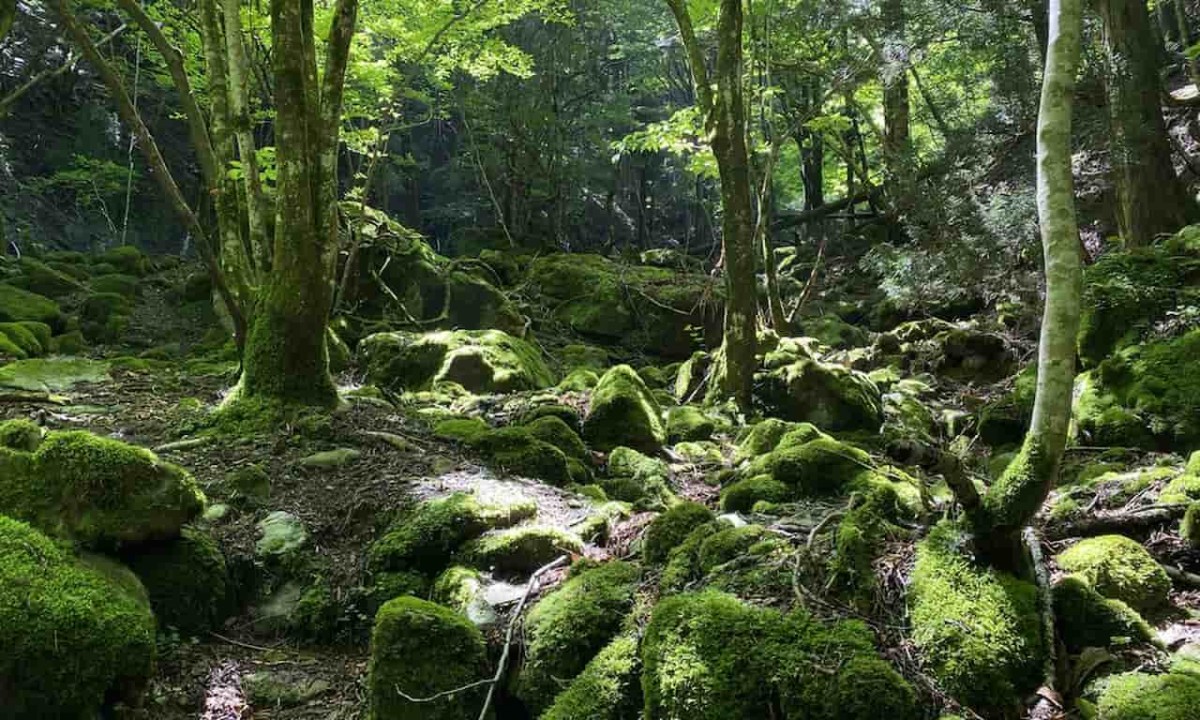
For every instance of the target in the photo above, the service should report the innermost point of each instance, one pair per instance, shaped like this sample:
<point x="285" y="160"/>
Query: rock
<point x="480" y="361"/>
<point x="691" y="376"/>
<point x="1004" y="422"/>
<point x="979" y="631"/>
<point x="829" y="396"/>
<point x="1085" y="618"/>
<point x="17" y="305"/>
<point x="281" y="535"/>
<point x="99" y="492"/>
<point x="52" y="374"/>
<point x="743" y="495"/>
<point x="1189" y="528"/>
<point x="272" y="689"/>
<point x="1141" y="696"/>
<point x="566" y="413"/>
<point x="519" y="451"/>
<point x="671" y="528"/>
<point x="768" y="434"/>
<point x="624" y="412"/>
<point x="686" y="423"/>
<point x="765" y="659"/>
<point x="609" y="687"/>
<point x="38" y="277"/>
<point x="103" y="317"/>
<point x="554" y="430"/>
<point x="421" y="649"/>
<point x="331" y="458"/>
<point x="582" y="355"/>
<point x="636" y="478"/>
<point x="833" y="331"/>
<point x="70" y="637"/>
<point x="186" y="580"/>
<point x="21" y="435"/>
<point x="425" y="539"/>
<point x="569" y="626"/>
<point x="1118" y="568"/>
<point x="522" y="549"/>
<point x="974" y="355"/>
<point x="464" y="590"/>
<point x="128" y="259"/>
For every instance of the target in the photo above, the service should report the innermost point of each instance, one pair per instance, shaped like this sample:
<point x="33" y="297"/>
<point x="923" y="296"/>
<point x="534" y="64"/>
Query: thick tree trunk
<point x="1016" y="497"/>
<point x="8" y="13"/>
<point x="894" y="74"/>
<point x="286" y="360"/>
<point x="1150" y="197"/>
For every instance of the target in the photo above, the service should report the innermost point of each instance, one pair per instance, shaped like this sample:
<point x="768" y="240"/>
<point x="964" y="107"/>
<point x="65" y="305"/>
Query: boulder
<point x="186" y="580"/>
<point x="522" y="550"/>
<point x="830" y="396"/>
<point x="1118" y="568"/>
<point x="609" y="688"/>
<point x="672" y="528"/>
<point x="624" y="413"/>
<point x="480" y="361"/>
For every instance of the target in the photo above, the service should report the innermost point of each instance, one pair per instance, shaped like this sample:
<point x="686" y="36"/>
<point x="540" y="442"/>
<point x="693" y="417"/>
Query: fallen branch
<point x="1182" y="577"/>
<point x="1144" y="518"/>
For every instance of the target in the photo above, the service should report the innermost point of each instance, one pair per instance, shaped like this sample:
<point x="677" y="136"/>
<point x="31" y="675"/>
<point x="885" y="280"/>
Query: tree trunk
<point x="1016" y="497"/>
<point x="286" y="360"/>
<point x="894" y="75"/>
<point x="725" y="114"/>
<point x="8" y="13"/>
<point x="1150" y="197"/>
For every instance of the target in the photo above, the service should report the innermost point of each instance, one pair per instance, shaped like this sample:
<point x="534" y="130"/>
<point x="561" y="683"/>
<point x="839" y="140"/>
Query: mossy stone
<point x="566" y="413"/>
<point x="45" y="279"/>
<point x="480" y="361"/>
<point x="1085" y="618"/>
<point x="742" y="495"/>
<point x="186" y="580"/>
<point x="672" y="528"/>
<point x="624" y="413"/>
<point x="522" y="549"/>
<point x="1142" y="696"/>
<point x="636" y="478"/>
<point x="117" y="284"/>
<point x="421" y="649"/>
<point x="103" y="317"/>
<point x="23" y="338"/>
<point x="128" y="259"/>
<point x="1118" y="568"/>
<point x="22" y="435"/>
<point x="609" y="688"/>
<point x="830" y="396"/>
<point x="569" y="626"/>
<point x="1189" y="528"/>
<point x="281" y="537"/>
<point x="686" y="423"/>
<point x="519" y="451"/>
<point x="17" y="305"/>
<point x="70" y="639"/>
<point x="466" y="430"/>
<point x="818" y="467"/>
<point x="555" y="431"/>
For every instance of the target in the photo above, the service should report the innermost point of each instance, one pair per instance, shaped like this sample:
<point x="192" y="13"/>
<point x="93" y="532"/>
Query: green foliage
<point x="422" y="649"/>
<point x="568" y="627"/>
<point x="672" y="528"/>
<point x="69" y="637"/>
<point x="1118" y="568"/>
<point x="978" y="630"/>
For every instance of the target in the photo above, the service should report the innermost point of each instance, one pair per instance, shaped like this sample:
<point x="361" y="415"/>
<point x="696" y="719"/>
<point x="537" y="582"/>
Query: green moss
<point x="708" y="656"/>
<point x="979" y="631"/>
<point x="742" y="495"/>
<point x="686" y="423"/>
<point x="858" y="542"/>
<point x="17" y="305"/>
<point x="579" y="380"/>
<point x="607" y="689"/>
<point x="691" y="376"/>
<point x="128" y="259"/>
<point x="636" y="478"/>
<point x="1118" y="568"/>
<point x="672" y="528"/>
<point x="829" y="396"/>
<point x="23" y="435"/>
<point x="553" y="430"/>
<point x="187" y="581"/>
<point x="700" y="453"/>
<point x="421" y="649"/>
<point x="43" y="279"/>
<point x="683" y="561"/>
<point x="425" y="538"/>
<point x="1189" y="528"/>
<point x="461" y="588"/>
<point x="518" y="451"/>
<point x="1085" y="618"/>
<point x="1141" y="696"/>
<point x="70" y="639"/>
<point x="387" y="586"/>
<point x="9" y="350"/>
<point x="1182" y="490"/>
<point x="568" y="627"/>
<point x="480" y="361"/>
<point x="101" y="492"/>
<point x="24" y="338"/>
<point x="566" y="413"/>
<point x="124" y="285"/>
<point x="624" y="413"/>
<point x="104" y="316"/>
<point x="1003" y="422"/>
<point x="465" y="430"/>
<point x="522" y="549"/>
<point x="831" y="330"/>
<point x="765" y="436"/>
<point x="579" y="355"/>
<point x="821" y="466"/>
<point x="727" y="544"/>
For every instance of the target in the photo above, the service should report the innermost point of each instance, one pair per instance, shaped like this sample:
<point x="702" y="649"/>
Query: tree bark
<point x="894" y="75"/>
<point x="725" y="114"/>
<point x="286" y="358"/>
<point x="8" y="13"/>
<point x="1016" y="497"/>
<point x="1151" y="199"/>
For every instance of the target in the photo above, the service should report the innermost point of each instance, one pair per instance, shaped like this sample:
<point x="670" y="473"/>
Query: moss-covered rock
<point x="672" y="528"/>
<point x="43" y="279"/>
<point x="519" y="451"/>
<point x="101" y="492"/>
<point x="1142" y="696"/>
<point x="186" y="580"/>
<point x="827" y="395"/>
<point x="579" y="380"/>
<point x="821" y="466"/>
<point x="52" y="374"/>
<point x="70" y="638"/>
<point x="522" y="549"/>
<point x="464" y="430"/>
<point x="17" y="305"/>
<point x="683" y="561"/>
<point x="691" y="376"/>
<point x="128" y="259"/>
<point x="708" y="656"/>
<point x="480" y="361"/>
<point x="116" y="284"/>
<point x="727" y="544"/>
<point x="425" y="538"/>
<point x="24" y="339"/>
<point x="742" y="495"/>
<point x="421" y="649"/>
<point x="609" y="688"/>
<point x="566" y="413"/>
<point x="103" y="317"/>
<point x="636" y="478"/>
<point x="281" y="539"/>
<point x="1003" y="421"/>
<point x="765" y="436"/>
<point x="554" y="430"/>
<point x="1085" y="618"/>
<point x="1118" y="568"/>
<point x="462" y="588"/>
<point x="568" y="627"/>
<point x="686" y="423"/>
<point x="973" y="355"/>
<point x="833" y="331"/>
<point x="979" y="631"/>
<point x="1189" y="528"/>
<point x="22" y="435"/>
<point x="624" y="412"/>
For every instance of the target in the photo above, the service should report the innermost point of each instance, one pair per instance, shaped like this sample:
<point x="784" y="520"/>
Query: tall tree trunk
<point x="1150" y="197"/>
<point x="286" y="359"/>
<point x="1016" y="497"/>
<point x="725" y="114"/>
<point x="894" y="72"/>
<point x="8" y="13"/>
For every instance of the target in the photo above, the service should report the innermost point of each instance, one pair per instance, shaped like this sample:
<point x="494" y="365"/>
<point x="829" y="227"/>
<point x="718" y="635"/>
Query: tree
<point x="1151" y="199"/>
<point x="1012" y="502"/>
<point x="286" y="359"/>
<point x="724" y="112"/>
<point x="8" y="13"/>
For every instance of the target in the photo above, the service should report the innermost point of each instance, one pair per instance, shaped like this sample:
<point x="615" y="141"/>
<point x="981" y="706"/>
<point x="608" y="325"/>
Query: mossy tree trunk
<point x="8" y="13"/>
<point x="894" y="71"/>
<point x="286" y="358"/>
<point x="1151" y="199"/>
<point x="725" y="121"/>
<point x="1016" y="497"/>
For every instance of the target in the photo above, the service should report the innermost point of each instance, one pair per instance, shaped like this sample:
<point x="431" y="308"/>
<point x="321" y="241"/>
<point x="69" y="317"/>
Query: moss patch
<point x="522" y="549"/>
<point x="609" y="687"/>
<point x="186" y="580"/>
<point x="480" y="361"/>
<point x="53" y="374"/>
<point x="1141" y="696"/>
<point x="672" y="528"/>
<point x="1085" y="618"/>
<point x="1119" y="568"/>
<point x="624" y="413"/>
<point x="829" y="396"/>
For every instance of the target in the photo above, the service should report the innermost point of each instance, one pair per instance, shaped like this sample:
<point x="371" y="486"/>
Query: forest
<point x="599" y="360"/>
